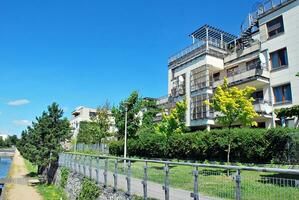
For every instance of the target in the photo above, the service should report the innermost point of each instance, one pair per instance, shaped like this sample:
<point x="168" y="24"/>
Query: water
<point x="4" y="166"/>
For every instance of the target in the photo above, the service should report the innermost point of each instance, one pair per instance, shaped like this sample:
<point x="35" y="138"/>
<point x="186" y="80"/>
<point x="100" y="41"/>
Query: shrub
<point x="248" y="145"/>
<point x="64" y="176"/>
<point x="89" y="191"/>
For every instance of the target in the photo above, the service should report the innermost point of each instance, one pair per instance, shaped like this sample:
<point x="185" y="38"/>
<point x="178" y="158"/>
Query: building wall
<point x="288" y="39"/>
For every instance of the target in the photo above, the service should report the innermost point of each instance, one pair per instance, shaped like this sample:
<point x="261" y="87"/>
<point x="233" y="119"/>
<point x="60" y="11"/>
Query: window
<point x="253" y="64"/>
<point x="200" y="78"/>
<point x="275" y="27"/>
<point x="282" y="94"/>
<point x="198" y="108"/>
<point x="216" y="76"/>
<point x="258" y="95"/>
<point x="232" y="71"/>
<point x="279" y="58"/>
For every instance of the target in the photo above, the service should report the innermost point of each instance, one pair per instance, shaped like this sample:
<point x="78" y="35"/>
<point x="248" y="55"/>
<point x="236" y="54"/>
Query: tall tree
<point x="234" y="105"/>
<point x="98" y="128"/>
<point x="42" y="142"/>
<point x="174" y="123"/>
<point x="150" y="110"/>
<point x="133" y="105"/>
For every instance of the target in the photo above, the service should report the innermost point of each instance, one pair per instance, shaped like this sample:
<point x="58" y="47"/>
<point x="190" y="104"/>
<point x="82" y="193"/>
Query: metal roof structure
<point x="210" y="31"/>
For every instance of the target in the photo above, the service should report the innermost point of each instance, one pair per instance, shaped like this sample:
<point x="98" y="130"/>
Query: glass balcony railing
<point x="199" y="46"/>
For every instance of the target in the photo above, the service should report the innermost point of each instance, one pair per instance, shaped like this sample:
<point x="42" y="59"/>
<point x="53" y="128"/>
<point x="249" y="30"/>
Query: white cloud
<point x="18" y="102"/>
<point x="22" y="122"/>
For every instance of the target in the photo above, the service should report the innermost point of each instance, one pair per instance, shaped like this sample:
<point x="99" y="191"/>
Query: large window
<point x="275" y="27"/>
<point x="282" y="94"/>
<point x="198" y="108"/>
<point x="279" y="58"/>
<point x="258" y="95"/>
<point x="232" y="71"/>
<point x="253" y="64"/>
<point x="200" y="78"/>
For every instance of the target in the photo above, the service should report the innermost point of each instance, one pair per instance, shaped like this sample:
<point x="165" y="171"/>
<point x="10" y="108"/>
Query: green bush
<point x="248" y="145"/>
<point x="89" y="191"/>
<point x="64" y="172"/>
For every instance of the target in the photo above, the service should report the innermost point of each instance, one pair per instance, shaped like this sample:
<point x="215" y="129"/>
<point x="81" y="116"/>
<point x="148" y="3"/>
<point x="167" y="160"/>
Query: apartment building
<point x="82" y="113"/>
<point x="264" y="56"/>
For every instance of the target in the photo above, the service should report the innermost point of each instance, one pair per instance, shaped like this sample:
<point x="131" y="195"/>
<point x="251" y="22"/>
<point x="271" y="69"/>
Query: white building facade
<point x="82" y="113"/>
<point x="264" y="56"/>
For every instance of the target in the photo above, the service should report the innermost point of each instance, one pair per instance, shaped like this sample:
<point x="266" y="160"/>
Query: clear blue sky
<point x="82" y="52"/>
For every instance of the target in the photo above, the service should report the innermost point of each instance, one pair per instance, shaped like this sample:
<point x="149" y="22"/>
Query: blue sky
<point x="84" y="52"/>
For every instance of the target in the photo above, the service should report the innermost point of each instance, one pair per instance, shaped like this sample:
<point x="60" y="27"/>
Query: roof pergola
<point x="209" y="31"/>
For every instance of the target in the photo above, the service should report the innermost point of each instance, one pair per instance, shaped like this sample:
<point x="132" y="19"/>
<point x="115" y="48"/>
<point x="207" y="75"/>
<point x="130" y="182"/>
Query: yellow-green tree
<point x="174" y="123"/>
<point x="234" y="105"/>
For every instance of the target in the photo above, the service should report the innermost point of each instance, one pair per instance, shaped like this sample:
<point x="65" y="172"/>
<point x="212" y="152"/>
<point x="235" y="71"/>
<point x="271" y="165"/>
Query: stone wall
<point x="74" y="184"/>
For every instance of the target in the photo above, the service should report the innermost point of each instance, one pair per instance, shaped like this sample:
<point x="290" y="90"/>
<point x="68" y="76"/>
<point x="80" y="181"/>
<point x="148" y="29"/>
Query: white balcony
<point x="256" y="77"/>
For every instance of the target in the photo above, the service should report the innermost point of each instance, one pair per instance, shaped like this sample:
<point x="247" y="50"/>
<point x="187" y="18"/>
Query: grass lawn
<point x="51" y="192"/>
<point x="216" y="182"/>
<point x="48" y="192"/>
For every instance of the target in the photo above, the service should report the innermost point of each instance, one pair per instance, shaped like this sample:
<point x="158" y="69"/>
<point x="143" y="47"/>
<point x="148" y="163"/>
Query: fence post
<point x="166" y="182"/>
<point x="129" y="179"/>
<point x="75" y="160"/>
<point x="79" y="163"/>
<point x="238" y="185"/>
<point x="84" y="167"/>
<point x="105" y="172"/>
<point x="115" y="175"/>
<point x="97" y="170"/>
<point x="195" y="194"/>
<point x="144" y="182"/>
<point x="90" y="167"/>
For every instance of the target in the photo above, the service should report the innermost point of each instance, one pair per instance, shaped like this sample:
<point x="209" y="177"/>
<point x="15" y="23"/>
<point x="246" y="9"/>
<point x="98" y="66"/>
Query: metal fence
<point x="183" y="180"/>
<point x="101" y="148"/>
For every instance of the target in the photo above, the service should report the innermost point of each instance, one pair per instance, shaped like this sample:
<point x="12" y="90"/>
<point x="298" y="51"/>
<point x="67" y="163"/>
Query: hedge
<point x="249" y="145"/>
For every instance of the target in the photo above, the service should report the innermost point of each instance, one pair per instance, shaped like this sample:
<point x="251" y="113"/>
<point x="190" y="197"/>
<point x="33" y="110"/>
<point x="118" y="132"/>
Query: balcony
<point x="262" y="106"/>
<point x="256" y="76"/>
<point x="206" y="39"/>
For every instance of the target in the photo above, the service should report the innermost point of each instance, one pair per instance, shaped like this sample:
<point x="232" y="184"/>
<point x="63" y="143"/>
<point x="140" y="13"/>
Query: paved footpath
<point x="18" y="189"/>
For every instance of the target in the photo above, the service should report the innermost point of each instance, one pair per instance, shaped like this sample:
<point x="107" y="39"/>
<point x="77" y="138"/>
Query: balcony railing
<point x="244" y="75"/>
<point x="262" y="106"/>
<point x="200" y="46"/>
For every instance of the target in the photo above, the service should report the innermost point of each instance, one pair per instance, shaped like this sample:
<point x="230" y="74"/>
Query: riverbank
<point x="19" y="190"/>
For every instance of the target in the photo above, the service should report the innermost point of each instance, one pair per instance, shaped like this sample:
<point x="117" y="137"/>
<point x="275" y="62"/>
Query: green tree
<point x="234" y="105"/>
<point x="297" y="74"/>
<point x="42" y="142"/>
<point x="174" y="123"/>
<point x="133" y="106"/>
<point x="150" y="110"/>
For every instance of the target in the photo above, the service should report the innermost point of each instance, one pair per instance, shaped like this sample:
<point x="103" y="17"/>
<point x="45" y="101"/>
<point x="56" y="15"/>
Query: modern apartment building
<point x="265" y="56"/>
<point x="82" y="113"/>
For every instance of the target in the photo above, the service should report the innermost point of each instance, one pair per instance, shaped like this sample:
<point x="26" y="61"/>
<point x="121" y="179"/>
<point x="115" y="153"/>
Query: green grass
<point x="48" y="192"/>
<point x="215" y="182"/>
<point x="31" y="168"/>
<point x="51" y="192"/>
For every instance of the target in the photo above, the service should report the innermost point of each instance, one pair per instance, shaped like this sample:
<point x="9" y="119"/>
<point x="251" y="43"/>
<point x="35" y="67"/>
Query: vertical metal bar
<point x="80" y="164"/>
<point x="97" y="170"/>
<point x="195" y="194"/>
<point x="90" y="167"/>
<point x="166" y="182"/>
<point x="84" y="167"/>
<point x="105" y="173"/>
<point x="144" y="182"/>
<point x="129" y="179"/>
<point x="238" y="185"/>
<point x="115" y="175"/>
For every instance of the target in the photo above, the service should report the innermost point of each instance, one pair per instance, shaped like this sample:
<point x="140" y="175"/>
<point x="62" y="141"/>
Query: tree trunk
<point x="228" y="152"/>
<point x="49" y="173"/>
